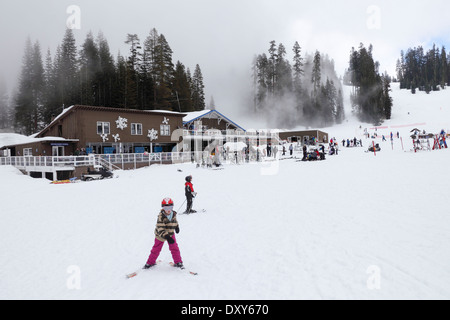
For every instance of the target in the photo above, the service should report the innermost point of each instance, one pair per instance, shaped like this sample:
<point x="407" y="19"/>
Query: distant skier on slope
<point x="190" y="195"/>
<point x="166" y="227"/>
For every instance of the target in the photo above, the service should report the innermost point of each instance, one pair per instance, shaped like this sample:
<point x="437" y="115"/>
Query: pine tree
<point x="121" y="82"/>
<point x="340" y="113"/>
<point x="149" y="61"/>
<point x="89" y="71"/>
<point x="283" y="85"/>
<point x="198" y="94"/>
<point x="51" y="99"/>
<point x="163" y="70"/>
<point x="67" y="70"/>
<point x="29" y="98"/>
<point x="298" y="71"/>
<point x="263" y="78"/>
<point x="107" y="73"/>
<point x="272" y="72"/>
<point x="444" y="68"/>
<point x="370" y="97"/>
<point x="38" y="86"/>
<point x="4" y="105"/>
<point x="132" y="72"/>
<point x="316" y="73"/>
<point x="387" y="100"/>
<point x="182" y="90"/>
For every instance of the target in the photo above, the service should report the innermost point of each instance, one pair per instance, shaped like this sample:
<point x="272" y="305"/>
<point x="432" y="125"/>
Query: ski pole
<point x="182" y="205"/>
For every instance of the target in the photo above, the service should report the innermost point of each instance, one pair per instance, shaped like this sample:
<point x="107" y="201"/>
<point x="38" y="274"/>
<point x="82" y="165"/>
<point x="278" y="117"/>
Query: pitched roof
<point x="211" y="114"/>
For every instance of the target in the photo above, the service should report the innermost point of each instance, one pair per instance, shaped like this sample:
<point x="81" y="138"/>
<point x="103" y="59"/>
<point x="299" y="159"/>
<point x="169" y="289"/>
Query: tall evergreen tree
<point x="272" y="71"/>
<point x="340" y="113"/>
<point x="67" y="70"/>
<point x="4" y="105"/>
<point x="370" y="97"/>
<point x="89" y="72"/>
<point x="443" y="68"/>
<point x="316" y="73"/>
<point x="163" y="70"/>
<point x="149" y="61"/>
<point x="387" y="100"/>
<point x="121" y="82"/>
<point x="132" y="72"/>
<point x="198" y="94"/>
<point x="29" y="98"/>
<point x="283" y="72"/>
<point x="298" y="71"/>
<point x="182" y="90"/>
<point x="106" y="76"/>
<point x="262" y="80"/>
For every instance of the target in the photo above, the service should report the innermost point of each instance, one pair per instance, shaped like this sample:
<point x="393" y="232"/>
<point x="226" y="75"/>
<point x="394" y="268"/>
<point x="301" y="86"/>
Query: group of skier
<point x="167" y="226"/>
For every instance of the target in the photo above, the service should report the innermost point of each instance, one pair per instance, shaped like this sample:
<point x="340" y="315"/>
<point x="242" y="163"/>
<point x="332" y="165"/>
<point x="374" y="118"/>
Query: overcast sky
<point x="223" y="36"/>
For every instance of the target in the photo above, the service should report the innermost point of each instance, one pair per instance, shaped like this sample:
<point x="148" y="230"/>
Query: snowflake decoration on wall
<point x="122" y="123"/>
<point x="152" y="134"/>
<point x="104" y="136"/>
<point x="166" y="121"/>
<point x="116" y="137"/>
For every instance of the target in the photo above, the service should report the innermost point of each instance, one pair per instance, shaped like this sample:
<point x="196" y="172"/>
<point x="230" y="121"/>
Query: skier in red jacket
<point x="190" y="195"/>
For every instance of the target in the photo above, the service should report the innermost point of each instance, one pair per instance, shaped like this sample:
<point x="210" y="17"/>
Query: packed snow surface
<point x="356" y="226"/>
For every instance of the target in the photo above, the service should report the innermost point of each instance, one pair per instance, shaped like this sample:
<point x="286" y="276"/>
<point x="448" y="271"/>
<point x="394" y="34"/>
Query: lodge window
<point x="136" y="129"/>
<point x="27" y="152"/>
<point x="103" y="127"/>
<point x="165" y="130"/>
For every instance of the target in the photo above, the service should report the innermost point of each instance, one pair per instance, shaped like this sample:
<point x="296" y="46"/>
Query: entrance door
<point x="57" y="151"/>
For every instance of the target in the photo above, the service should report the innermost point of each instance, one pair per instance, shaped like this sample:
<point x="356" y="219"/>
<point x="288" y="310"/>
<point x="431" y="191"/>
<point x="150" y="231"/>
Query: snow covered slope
<point x="356" y="226"/>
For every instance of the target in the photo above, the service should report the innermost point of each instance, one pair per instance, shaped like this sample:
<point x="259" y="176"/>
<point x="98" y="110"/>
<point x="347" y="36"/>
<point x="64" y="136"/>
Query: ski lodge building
<point x="308" y="137"/>
<point x="88" y="136"/>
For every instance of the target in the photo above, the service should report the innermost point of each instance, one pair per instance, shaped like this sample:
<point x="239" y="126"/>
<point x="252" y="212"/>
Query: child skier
<point x="190" y="194"/>
<point x="166" y="227"/>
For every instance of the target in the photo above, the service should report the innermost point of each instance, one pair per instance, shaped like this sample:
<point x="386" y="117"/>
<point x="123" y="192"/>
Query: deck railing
<point x="128" y="160"/>
<point x="110" y="161"/>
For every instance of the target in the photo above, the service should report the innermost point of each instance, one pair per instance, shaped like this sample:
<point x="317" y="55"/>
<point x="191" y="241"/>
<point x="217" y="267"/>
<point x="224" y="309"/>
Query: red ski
<point x="183" y="268"/>
<point x="136" y="273"/>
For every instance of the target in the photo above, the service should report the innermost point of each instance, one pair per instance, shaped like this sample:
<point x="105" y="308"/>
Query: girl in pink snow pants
<point x="166" y="227"/>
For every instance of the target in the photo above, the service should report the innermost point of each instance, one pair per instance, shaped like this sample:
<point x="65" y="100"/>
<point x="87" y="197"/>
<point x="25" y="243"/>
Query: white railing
<point x="125" y="160"/>
<point x="30" y="161"/>
<point x="110" y="161"/>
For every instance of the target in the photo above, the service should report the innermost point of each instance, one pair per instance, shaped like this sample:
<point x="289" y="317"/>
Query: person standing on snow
<point x="166" y="227"/>
<point x="190" y="195"/>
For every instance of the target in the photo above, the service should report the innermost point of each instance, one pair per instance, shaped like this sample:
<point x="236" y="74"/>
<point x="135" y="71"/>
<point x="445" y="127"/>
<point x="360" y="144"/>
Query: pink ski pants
<point x="156" y="250"/>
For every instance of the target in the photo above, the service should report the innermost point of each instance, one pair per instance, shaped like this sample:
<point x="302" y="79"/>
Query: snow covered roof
<point x="211" y="114"/>
<point x="14" y="139"/>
